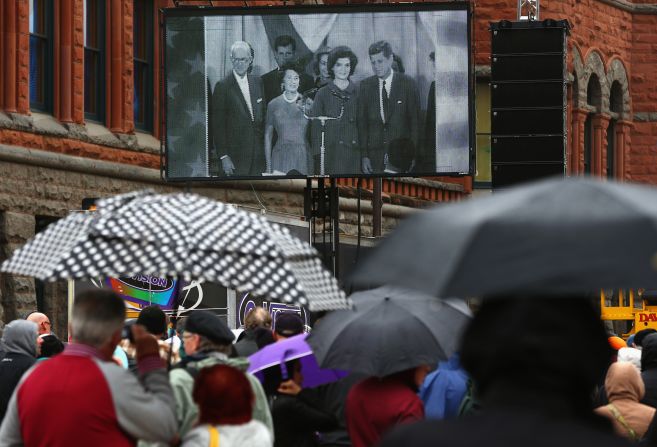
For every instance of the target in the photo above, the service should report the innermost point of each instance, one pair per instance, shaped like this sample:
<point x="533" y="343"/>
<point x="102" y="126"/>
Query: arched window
<point x="593" y="93"/>
<point x="616" y="98"/>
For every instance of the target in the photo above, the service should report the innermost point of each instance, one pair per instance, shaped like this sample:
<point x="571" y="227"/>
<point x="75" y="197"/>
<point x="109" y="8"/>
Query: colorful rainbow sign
<point x="142" y="290"/>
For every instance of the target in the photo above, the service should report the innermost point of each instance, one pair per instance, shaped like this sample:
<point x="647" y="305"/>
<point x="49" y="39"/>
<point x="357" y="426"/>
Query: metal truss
<point x="528" y="9"/>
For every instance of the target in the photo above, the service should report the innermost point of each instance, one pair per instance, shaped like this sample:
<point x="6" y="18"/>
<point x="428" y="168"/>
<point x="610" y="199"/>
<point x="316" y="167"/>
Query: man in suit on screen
<point x="388" y="116"/>
<point x="285" y="52"/>
<point x="238" y="115"/>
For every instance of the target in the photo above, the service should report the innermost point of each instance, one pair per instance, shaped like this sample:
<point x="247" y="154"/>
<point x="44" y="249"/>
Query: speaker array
<point x="528" y="100"/>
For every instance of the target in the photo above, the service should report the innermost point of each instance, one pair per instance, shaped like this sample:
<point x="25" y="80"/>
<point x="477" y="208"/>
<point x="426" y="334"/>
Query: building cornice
<point x="634" y="8"/>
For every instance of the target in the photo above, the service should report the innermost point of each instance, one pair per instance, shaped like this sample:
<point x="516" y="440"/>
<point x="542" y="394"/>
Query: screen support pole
<point x="377" y="203"/>
<point x="322" y="210"/>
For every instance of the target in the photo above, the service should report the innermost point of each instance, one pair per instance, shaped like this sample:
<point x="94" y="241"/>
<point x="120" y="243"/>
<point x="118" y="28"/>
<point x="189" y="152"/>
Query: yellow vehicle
<point x="637" y="307"/>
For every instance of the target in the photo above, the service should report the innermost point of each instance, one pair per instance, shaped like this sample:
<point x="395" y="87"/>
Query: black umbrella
<point x="389" y="330"/>
<point x="550" y="237"/>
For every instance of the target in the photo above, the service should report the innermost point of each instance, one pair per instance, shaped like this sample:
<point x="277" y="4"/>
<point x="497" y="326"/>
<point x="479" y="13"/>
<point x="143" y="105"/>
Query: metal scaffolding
<point x="528" y="9"/>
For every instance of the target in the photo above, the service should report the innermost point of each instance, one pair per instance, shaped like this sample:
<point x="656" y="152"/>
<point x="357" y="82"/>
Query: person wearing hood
<point x="624" y="390"/>
<point x="208" y="342"/>
<point x="649" y="369"/>
<point x="20" y="340"/>
<point x="533" y="391"/>
<point x="444" y="389"/>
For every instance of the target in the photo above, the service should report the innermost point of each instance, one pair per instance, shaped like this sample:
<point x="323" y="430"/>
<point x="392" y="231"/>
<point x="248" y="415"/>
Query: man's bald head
<point x="42" y="321"/>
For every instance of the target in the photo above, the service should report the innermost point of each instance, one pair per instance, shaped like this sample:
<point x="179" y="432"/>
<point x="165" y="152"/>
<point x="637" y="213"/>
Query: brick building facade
<point x="61" y="140"/>
<point x="612" y="93"/>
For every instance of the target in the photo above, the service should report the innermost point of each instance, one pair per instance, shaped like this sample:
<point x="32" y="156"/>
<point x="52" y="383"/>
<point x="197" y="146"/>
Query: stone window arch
<point x="616" y="98"/>
<point x="619" y="96"/>
<point x="577" y="76"/>
<point x="620" y="117"/>
<point x="595" y="67"/>
<point x="594" y="93"/>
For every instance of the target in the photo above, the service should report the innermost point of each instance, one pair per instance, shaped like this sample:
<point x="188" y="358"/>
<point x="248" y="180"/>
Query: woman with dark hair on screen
<point x="285" y="115"/>
<point x="341" y="135"/>
<point x="320" y="66"/>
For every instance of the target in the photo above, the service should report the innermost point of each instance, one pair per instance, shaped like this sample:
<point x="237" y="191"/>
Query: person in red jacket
<point x="376" y="405"/>
<point x="81" y="397"/>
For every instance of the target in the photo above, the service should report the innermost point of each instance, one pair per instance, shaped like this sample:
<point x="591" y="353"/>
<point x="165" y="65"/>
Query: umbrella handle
<point x="284" y="371"/>
<point x="285" y="374"/>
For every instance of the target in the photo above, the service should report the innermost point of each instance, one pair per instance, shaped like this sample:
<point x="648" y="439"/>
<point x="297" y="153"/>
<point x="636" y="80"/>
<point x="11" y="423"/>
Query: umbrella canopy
<point x="293" y="348"/>
<point x="389" y="330"/>
<point x="181" y="235"/>
<point x="558" y="236"/>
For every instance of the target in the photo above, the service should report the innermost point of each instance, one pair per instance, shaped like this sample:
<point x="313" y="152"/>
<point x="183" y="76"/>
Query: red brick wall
<point x="613" y="33"/>
<point x="14" y="60"/>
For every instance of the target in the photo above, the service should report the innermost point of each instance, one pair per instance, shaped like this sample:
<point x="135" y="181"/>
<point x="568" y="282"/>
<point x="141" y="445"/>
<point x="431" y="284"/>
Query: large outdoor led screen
<point x="294" y="92"/>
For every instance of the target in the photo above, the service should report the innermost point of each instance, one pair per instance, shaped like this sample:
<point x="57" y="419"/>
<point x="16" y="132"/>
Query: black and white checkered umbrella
<point x="182" y="235"/>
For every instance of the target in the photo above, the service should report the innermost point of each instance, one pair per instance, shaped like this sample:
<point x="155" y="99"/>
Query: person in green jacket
<point x="208" y="341"/>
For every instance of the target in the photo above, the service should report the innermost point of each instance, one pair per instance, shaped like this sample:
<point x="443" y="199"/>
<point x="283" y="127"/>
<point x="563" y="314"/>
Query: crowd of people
<point x="280" y="122"/>
<point x="517" y="379"/>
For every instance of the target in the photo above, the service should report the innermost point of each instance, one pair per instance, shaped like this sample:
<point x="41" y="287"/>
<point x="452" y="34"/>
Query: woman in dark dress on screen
<point x="342" y="154"/>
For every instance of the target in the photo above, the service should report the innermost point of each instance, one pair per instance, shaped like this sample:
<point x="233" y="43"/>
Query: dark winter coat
<point x="331" y="398"/>
<point x="296" y="422"/>
<point x="511" y="428"/>
<point x="649" y="369"/>
<point x="247" y="344"/>
<point x="342" y="154"/>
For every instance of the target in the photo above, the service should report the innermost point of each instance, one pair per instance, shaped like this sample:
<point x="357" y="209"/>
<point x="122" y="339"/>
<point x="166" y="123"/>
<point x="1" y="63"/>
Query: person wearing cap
<point x="208" y="341"/>
<point x="154" y="320"/>
<point x="286" y="325"/>
<point x="637" y="341"/>
<point x="616" y="342"/>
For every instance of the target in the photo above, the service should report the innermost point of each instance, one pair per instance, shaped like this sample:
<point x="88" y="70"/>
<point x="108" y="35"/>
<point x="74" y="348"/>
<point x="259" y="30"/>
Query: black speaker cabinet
<point x="528" y="100"/>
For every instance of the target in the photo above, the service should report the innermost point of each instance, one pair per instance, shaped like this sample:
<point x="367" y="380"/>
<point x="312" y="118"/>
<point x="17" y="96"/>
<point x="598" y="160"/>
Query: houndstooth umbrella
<point x="182" y="235"/>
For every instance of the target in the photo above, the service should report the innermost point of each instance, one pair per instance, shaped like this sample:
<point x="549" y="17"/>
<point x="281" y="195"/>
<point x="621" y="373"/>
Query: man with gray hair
<point x="237" y="116"/>
<point x="93" y="401"/>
